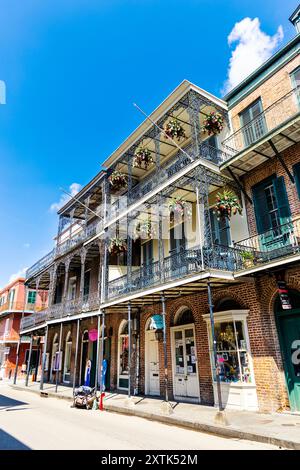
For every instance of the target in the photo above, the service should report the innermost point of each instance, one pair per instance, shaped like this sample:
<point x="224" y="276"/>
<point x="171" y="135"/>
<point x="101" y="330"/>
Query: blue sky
<point x="72" y="70"/>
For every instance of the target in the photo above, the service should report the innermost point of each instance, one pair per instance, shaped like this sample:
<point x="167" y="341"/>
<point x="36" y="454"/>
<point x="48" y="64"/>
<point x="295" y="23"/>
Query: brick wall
<point x="270" y="91"/>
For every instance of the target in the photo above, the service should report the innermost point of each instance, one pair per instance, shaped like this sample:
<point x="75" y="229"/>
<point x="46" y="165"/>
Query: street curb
<point x="223" y="431"/>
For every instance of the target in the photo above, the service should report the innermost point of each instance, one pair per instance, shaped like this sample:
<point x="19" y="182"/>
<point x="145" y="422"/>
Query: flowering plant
<point x="179" y="206"/>
<point x="144" y="229"/>
<point x="142" y="158"/>
<point x="117" y="245"/>
<point x="117" y="180"/>
<point x="213" y="124"/>
<point x="174" y="129"/>
<point x="227" y="204"/>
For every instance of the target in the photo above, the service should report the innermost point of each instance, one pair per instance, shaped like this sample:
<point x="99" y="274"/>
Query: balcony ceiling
<point x="261" y="151"/>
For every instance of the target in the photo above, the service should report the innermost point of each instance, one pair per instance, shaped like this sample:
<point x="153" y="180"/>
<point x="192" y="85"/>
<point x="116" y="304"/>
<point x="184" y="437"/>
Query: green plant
<point x="227" y="204"/>
<point x="142" y="158"/>
<point x="247" y="256"/>
<point x="213" y="124"/>
<point x="117" y="180"/>
<point x="179" y="206"/>
<point x="117" y="245"/>
<point x="174" y="129"/>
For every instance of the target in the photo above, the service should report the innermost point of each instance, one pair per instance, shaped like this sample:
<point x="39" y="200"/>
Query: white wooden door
<point x="152" y="365"/>
<point x="186" y="382"/>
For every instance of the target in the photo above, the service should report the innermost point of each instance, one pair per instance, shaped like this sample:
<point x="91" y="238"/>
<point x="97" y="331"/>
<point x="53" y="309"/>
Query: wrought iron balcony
<point x="274" y="116"/>
<point x="276" y="244"/>
<point x="176" y="266"/>
<point x="41" y="264"/>
<point x="61" y="310"/>
<point x="78" y="238"/>
<point x="177" y="163"/>
<point x="16" y="306"/>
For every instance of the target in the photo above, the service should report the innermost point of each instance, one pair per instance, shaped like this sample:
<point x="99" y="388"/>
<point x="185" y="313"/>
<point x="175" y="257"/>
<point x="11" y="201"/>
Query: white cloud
<point x="74" y="188"/>
<point x="20" y="273"/>
<point x="253" y="47"/>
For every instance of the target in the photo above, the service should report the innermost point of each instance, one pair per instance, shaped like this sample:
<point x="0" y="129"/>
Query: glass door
<point x="186" y="383"/>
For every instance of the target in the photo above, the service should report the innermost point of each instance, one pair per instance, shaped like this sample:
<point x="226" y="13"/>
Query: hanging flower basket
<point x="213" y="124"/>
<point x="174" y="130"/>
<point x="117" y="180"/>
<point x="117" y="246"/>
<point x="144" y="229"/>
<point x="227" y="204"/>
<point x="181" y="207"/>
<point x="142" y="158"/>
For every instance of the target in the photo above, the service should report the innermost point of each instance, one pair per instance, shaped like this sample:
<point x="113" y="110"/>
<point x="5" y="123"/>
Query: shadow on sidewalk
<point x="8" y="442"/>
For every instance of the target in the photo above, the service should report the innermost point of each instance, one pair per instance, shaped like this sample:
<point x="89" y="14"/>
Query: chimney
<point x="295" y="19"/>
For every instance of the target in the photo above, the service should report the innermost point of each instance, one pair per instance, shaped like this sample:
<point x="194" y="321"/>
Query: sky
<point x="70" y="71"/>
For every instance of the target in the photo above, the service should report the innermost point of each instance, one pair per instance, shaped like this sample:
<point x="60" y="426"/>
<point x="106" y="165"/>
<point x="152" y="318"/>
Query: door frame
<point x="172" y="331"/>
<point x="147" y="368"/>
<point x="279" y="316"/>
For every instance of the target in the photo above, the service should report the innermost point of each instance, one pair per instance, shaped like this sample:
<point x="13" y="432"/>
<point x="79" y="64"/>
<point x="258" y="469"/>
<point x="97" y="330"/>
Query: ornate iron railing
<point x="274" y="244"/>
<point x="178" y="162"/>
<point x="41" y="264"/>
<point x="278" y="113"/>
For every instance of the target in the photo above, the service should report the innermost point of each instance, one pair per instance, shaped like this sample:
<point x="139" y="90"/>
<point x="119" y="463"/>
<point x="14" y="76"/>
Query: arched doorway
<point x="184" y="356"/>
<point x="53" y="356"/>
<point x="151" y="361"/>
<point x="123" y="369"/>
<point x="67" y="361"/>
<point x="288" y="326"/>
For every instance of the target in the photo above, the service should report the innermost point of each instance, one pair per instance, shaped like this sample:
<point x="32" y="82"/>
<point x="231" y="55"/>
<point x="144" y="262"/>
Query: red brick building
<point x="141" y="249"/>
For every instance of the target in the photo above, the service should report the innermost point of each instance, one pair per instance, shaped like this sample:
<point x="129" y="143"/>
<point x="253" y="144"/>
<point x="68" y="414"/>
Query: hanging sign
<point x="156" y="322"/>
<point x="93" y="334"/>
<point x="284" y="295"/>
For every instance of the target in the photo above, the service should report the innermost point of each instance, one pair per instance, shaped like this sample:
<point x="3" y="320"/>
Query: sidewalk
<point x="280" y="429"/>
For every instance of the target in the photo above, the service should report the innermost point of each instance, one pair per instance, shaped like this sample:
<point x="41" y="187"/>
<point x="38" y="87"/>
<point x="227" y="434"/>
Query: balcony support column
<point x="105" y="268"/>
<point x="86" y="213"/>
<point x="157" y="154"/>
<point x="65" y="291"/>
<point x="19" y="341"/>
<point x="29" y="360"/>
<point x="102" y="349"/>
<point x="129" y="349"/>
<point x="161" y="248"/>
<point x="82" y="271"/>
<point x="193" y="111"/>
<point x="44" y="358"/>
<point x="76" y="354"/>
<point x="59" y="358"/>
<point x="97" y="353"/>
<point x="167" y="407"/>
<point x="214" y="346"/>
<point x="52" y="285"/>
<point x="129" y="253"/>
<point x="37" y="285"/>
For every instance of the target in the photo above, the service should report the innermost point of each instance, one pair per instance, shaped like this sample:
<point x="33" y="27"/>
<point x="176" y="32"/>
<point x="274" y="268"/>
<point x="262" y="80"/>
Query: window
<point x="72" y="288"/>
<point x="253" y="122"/>
<point x="295" y="77"/>
<point x="271" y="205"/>
<point x="87" y="279"/>
<point x="233" y="353"/>
<point x="31" y="297"/>
<point x="220" y="229"/>
<point x="67" y="363"/>
<point x="296" y="171"/>
<point x="11" y="297"/>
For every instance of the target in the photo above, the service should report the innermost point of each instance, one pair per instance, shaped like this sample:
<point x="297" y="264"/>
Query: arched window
<point x="53" y="353"/>
<point x="184" y="317"/>
<point x="67" y="361"/>
<point x="227" y="304"/>
<point x="123" y="369"/>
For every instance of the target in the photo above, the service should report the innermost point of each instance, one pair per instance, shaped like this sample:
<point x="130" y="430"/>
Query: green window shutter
<point x="262" y="217"/>
<point x="296" y="171"/>
<point x="282" y="200"/>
